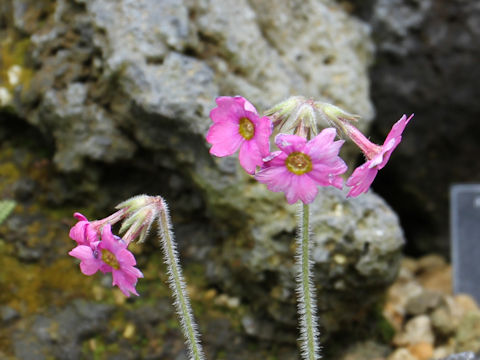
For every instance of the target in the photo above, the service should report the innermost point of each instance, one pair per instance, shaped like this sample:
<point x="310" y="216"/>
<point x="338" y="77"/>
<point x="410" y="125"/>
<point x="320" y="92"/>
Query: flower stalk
<point x="305" y="291"/>
<point x="177" y="284"/>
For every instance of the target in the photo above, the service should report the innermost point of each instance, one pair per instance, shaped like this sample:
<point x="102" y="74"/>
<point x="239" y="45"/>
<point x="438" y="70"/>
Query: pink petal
<point x="326" y="153"/>
<point x="229" y="101"/>
<point x="323" y="140"/>
<point x="302" y="187"/>
<point x="290" y="143"/>
<point x="361" y="179"/>
<point x="233" y="106"/>
<point x="77" y="233"/>
<point x="132" y="272"/>
<point x="82" y="232"/>
<point x="91" y="234"/>
<point x="322" y="146"/>
<point x="250" y="156"/>
<point x="277" y="178"/>
<point x="125" y="283"/>
<point x="125" y="257"/>
<point x="328" y="176"/>
<point x="263" y="130"/>
<point x="393" y="139"/>
<point x="335" y="166"/>
<point x="247" y="105"/>
<point x="222" y="115"/>
<point x="109" y="242"/>
<point x="104" y="268"/>
<point x="381" y="159"/>
<point x="336" y="181"/>
<point x="79" y="217"/>
<point x="90" y="266"/>
<point x="334" y="163"/>
<point x="82" y="252"/>
<point x="225" y="138"/>
<point x="398" y="128"/>
<point x="276" y="158"/>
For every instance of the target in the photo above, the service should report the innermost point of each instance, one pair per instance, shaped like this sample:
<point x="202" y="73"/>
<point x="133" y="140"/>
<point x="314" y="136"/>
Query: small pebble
<point x="423" y="303"/>
<point x="129" y="331"/>
<point x="465" y="303"/>
<point x="416" y="330"/>
<point x="421" y="350"/>
<point x="8" y="314"/>
<point x="401" y="354"/>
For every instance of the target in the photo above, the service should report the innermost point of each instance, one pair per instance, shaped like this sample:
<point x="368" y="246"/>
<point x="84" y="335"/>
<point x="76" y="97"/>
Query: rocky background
<point x="427" y="54"/>
<point x="104" y="99"/>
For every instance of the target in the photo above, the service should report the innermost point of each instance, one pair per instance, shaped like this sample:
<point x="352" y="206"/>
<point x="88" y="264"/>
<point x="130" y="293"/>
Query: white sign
<point x="465" y="238"/>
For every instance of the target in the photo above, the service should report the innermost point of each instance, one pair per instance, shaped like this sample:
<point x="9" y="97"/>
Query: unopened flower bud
<point x="282" y="111"/>
<point x="306" y="121"/>
<point x="140" y="213"/>
<point x="335" y="115"/>
<point x="135" y="203"/>
<point x="295" y="115"/>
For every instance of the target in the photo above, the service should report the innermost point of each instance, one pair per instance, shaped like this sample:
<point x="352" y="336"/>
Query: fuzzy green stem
<point x="177" y="284"/>
<point x="306" y="295"/>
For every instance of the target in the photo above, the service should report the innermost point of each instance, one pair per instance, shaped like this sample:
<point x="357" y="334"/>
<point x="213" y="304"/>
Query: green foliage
<point x="6" y="207"/>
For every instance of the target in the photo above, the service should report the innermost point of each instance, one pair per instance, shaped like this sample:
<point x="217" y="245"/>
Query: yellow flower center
<point x="247" y="129"/>
<point x="110" y="259"/>
<point x="298" y="163"/>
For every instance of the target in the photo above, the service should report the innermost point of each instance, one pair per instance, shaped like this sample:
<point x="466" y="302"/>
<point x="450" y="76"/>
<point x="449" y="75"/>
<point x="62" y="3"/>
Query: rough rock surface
<point x="61" y="330"/>
<point x="462" y="356"/>
<point x="112" y="76"/>
<point x="427" y="64"/>
<point x="120" y="91"/>
<point x="355" y="247"/>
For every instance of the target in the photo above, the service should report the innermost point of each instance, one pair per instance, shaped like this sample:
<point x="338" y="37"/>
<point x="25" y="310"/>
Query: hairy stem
<point x="305" y="290"/>
<point x="177" y="284"/>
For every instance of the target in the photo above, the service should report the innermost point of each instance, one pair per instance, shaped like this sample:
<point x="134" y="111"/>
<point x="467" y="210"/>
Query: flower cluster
<point x="306" y="159"/>
<point x="98" y="249"/>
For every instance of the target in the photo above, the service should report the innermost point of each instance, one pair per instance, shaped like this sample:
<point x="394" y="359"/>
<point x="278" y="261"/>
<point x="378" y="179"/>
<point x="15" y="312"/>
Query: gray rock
<point x="8" y="314"/>
<point x="85" y="130"/>
<point x="423" y="303"/>
<point x="111" y="75"/>
<point x="357" y="251"/>
<point x="468" y="332"/>
<point x="462" y="356"/>
<point x="416" y="330"/>
<point x="59" y="334"/>
<point x="443" y="322"/>
<point x="366" y="350"/>
<point x="355" y="247"/>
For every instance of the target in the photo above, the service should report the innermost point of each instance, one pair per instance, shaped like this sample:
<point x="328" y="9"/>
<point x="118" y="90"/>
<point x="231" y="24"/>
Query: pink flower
<point x="378" y="156"/>
<point x="301" y="166"/>
<point x="237" y="125"/>
<point x="84" y="233"/>
<point x="110" y="254"/>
